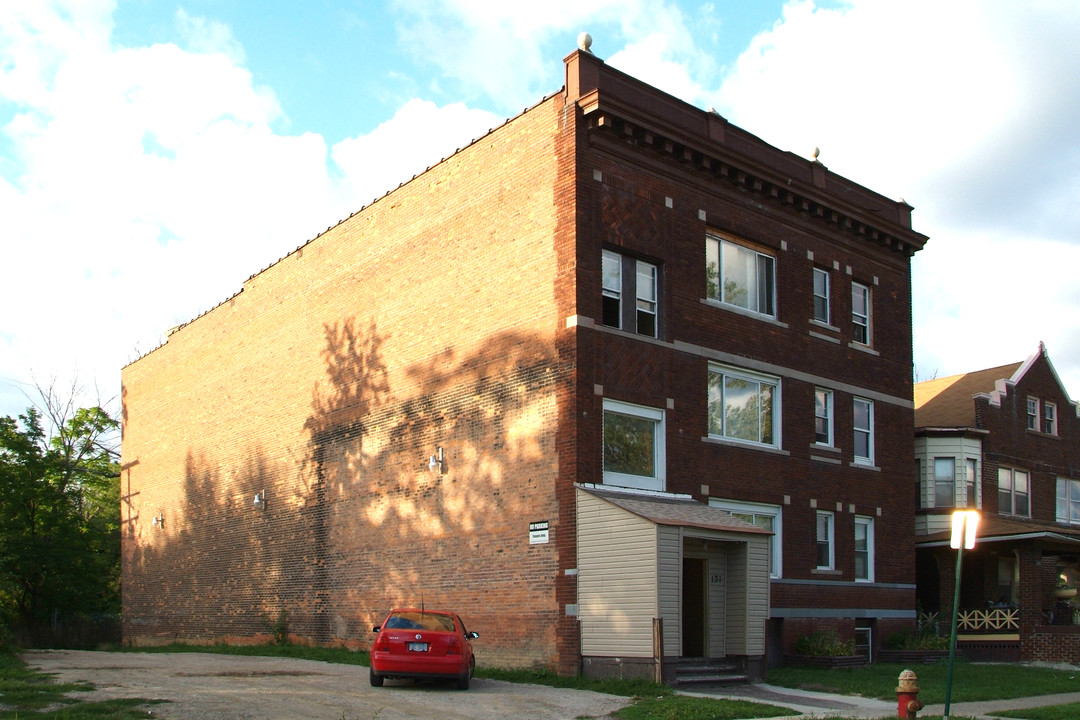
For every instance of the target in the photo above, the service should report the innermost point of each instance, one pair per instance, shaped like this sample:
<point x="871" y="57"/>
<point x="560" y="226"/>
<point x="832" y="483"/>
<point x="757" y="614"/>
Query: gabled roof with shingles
<point x="947" y="402"/>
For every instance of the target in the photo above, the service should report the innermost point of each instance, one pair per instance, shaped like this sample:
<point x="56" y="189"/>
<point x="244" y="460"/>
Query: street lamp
<point x="964" y="525"/>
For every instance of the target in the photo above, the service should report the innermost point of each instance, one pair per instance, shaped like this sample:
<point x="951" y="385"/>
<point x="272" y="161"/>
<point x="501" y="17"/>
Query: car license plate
<point x="417" y="647"/>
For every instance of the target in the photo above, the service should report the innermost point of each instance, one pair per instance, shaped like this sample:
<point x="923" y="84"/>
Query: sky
<point x="155" y="154"/>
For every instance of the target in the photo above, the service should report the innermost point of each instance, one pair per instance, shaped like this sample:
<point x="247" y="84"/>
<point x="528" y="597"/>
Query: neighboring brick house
<point x="530" y="384"/>
<point x="1005" y="440"/>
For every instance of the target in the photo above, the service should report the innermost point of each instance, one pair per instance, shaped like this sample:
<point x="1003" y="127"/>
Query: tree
<point x="59" y="512"/>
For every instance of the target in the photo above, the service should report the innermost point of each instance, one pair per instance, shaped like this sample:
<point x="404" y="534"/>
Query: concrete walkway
<point x="809" y="704"/>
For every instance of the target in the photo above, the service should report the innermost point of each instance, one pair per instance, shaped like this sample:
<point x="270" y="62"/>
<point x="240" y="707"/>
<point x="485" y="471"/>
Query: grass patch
<point x="339" y="655"/>
<point x="971" y="681"/>
<point x="1052" y="712"/>
<point x="681" y="707"/>
<point x="29" y="695"/>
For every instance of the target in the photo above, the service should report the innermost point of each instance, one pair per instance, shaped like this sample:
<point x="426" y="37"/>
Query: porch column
<point x="1032" y="597"/>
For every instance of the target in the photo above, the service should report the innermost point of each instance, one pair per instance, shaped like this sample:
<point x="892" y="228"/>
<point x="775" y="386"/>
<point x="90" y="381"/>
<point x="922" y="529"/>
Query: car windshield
<point x="419" y="621"/>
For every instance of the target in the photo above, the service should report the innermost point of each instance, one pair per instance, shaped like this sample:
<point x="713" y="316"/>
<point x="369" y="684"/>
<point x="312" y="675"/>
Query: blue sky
<point x="154" y="154"/>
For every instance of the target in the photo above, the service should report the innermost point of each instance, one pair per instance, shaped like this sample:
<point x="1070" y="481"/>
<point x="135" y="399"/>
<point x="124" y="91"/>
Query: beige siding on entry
<point x="617" y="580"/>
<point x="717" y="599"/>
<point x="670" y="571"/>
<point x="748" y="596"/>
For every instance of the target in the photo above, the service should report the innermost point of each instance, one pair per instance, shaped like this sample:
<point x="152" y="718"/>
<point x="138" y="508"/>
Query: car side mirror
<point x="473" y="635"/>
<point x="375" y="629"/>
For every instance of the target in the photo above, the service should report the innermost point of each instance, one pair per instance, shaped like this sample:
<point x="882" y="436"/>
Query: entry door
<point x="694" y="584"/>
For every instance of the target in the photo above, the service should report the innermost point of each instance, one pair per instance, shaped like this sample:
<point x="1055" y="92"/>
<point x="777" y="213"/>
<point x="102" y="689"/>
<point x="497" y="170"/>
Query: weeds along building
<point x="619" y="382"/>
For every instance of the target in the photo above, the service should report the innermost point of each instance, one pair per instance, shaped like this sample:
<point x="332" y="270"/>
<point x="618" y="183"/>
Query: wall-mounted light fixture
<point x="158" y="521"/>
<point x="260" y="500"/>
<point x="435" y="462"/>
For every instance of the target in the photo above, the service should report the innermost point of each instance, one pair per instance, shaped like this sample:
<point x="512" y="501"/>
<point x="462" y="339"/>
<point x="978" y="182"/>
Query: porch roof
<point x="999" y="528"/>
<point x="677" y="510"/>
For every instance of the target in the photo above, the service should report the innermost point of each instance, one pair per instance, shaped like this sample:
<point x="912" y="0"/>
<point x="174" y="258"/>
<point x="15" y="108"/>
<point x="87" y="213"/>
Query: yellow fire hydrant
<point x="907" y="696"/>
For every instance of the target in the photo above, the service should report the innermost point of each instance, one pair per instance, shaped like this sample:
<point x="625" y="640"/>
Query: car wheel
<point x="463" y="681"/>
<point x="375" y="678"/>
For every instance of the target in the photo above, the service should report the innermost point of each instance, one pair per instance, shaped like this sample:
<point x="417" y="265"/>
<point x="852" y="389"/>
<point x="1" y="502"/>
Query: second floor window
<point x="743" y="406"/>
<point x="863" y="422"/>
<point x="860" y="313"/>
<point x="1068" y="501"/>
<point x="739" y="275"/>
<point x="821" y="295"/>
<point x="823" y="417"/>
<point x="630" y="294"/>
<point x="944" y="482"/>
<point x="633" y="446"/>
<point x="1014" y="496"/>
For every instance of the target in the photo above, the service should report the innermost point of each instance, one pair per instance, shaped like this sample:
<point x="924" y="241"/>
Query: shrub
<point x="922" y="640"/>
<point x="824" y="644"/>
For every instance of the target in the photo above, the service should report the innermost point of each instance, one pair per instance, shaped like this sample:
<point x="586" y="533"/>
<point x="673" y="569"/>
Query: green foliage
<point x="1053" y="712"/>
<point x="824" y="644"/>
<point x="278" y="628"/>
<point x="59" y="515"/>
<point x="920" y="640"/>
<point x="681" y="707"/>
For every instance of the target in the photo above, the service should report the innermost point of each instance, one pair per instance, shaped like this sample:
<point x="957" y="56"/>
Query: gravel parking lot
<point x="205" y="686"/>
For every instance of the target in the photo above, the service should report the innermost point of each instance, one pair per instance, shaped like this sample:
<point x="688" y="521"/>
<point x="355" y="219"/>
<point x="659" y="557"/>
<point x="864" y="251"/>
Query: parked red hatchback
<point x="422" y="644"/>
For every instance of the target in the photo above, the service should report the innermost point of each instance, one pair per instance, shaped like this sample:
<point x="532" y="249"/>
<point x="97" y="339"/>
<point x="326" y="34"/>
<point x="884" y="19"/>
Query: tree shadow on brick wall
<point x="390" y="528"/>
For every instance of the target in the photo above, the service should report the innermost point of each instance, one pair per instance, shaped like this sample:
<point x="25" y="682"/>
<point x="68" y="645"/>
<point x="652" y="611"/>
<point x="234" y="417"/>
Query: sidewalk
<point x="811" y="704"/>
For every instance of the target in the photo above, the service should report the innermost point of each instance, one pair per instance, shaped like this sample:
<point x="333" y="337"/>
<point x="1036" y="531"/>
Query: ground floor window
<point x="764" y="516"/>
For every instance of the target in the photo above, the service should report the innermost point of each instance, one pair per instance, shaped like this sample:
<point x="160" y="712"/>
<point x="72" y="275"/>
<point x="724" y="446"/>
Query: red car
<point x="422" y="644"/>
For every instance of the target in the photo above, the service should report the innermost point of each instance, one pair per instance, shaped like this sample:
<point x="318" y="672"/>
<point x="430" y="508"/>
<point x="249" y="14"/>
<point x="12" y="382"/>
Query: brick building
<point x="1006" y="441"/>
<point x="619" y="381"/>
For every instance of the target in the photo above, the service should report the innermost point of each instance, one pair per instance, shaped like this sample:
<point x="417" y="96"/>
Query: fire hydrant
<point x="907" y="696"/>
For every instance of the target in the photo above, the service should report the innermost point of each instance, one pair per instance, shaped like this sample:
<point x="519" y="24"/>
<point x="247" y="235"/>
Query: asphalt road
<point x="205" y="686"/>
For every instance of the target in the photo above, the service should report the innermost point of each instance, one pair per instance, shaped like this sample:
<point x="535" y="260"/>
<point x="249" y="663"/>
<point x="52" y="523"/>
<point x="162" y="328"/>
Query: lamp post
<point x="964" y="525"/>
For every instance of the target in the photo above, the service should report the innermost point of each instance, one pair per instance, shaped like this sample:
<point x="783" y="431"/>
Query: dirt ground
<point x="201" y="686"/>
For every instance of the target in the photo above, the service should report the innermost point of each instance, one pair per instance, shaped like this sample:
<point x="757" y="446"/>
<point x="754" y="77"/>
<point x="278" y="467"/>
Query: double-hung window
<point x="944" y="482"/>
<point x="739" y="275"/>
<point x="971" y="483"/>
<point x="824" y="535"/>
<point x="765" y="516"/>
<point x="1068" y="501"/>
<point x="744" y="406"/>
<point x="823" y="417"/>
<point x="1049" y="418"/>
<point x="625" y="278"/>
<point x="860" y="313"/>
<point x="863" y="422"/>
<point x="634" y="446"/>
<point x="821" y="295"/>
<point x="864" y="548"/>
<point x="1014" y="496"/>
<point x="1032" y="413"/>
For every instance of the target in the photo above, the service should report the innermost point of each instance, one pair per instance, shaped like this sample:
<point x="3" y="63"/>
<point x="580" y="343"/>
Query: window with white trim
<point x="944" y="482"/>
<point x="823" y="417"/>
<point x="860" y="313"/>
<point x="625" y="277"/>
<point x="1014" y="495"/>
<point x="824" y="526"/>
<point x="634" y="446"/>
<point x="1068" y="501"/>
<point x="971" y="484"/>
<point x="863" y="422"/>
<point x="769" y="517"/>
<point x="739" y="275"/>
<point x="1032" y="413"/>
<point x="821" y="295"/>
<point x="864" y="548"/>
<point x="1049" y="418"/>
<point x="744" y="406"/>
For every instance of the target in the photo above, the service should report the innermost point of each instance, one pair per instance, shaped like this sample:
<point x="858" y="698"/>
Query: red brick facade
<point x="463" y="312"/>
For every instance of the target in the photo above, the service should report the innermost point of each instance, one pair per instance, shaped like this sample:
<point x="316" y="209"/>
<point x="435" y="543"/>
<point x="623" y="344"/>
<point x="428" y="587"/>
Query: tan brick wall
<point x="426" y="319"/>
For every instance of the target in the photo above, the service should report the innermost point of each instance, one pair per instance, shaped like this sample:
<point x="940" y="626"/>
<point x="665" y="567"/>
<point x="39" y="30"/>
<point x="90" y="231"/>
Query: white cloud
<point x="969" y="111"/>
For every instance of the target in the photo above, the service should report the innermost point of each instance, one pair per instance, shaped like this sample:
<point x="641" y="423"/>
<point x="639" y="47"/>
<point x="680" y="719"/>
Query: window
<point x="764" y="516"/>
<point x="1032" y="414"/>
<point x="1068" y="501"/>
<point x="744" y="406"/>
<point x="1049" y="419"/>
<point x="824" y="535"/>
<point x="864" y="548"/>
<point x="1013" y="494"/>
<point x="860" y="313"/>
<point x="920" y="499"/>
<point x="823" y="417"/>
<point x="970" y="483"/>
<point x="740" y="276"/>
<point x="864" y="431"/>
<point x="633" y="446"/>
<point x="821" y="296"/>
<point x="944" y="482"/>
<point x="627" y="277"/>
